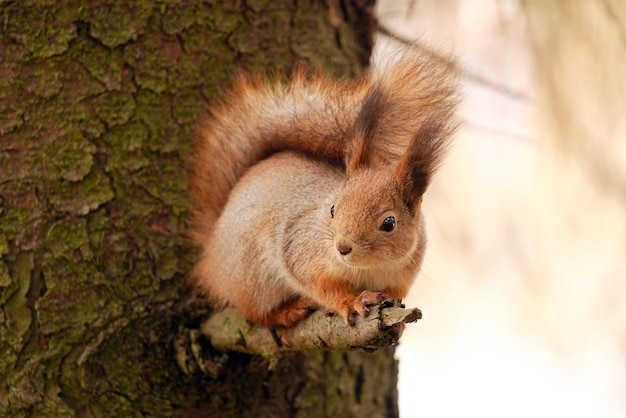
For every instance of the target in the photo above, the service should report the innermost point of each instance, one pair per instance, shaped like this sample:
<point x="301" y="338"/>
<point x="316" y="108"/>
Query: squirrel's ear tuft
<point x="365" y="129"/>
<point x="422" y="158"/>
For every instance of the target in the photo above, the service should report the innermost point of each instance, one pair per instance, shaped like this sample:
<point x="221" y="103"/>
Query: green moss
<point x="195" y="45"/>
<point x="228" y="24"/>
<point x="125" y="254"/>
<point x="257" y="42"/>
<point x="98" y="223"/>
<point x="10" y="120"/>
<point x="179" y="17"/>
<point x="155" y="111"/>
<point x="103" y="64"/>
<point x="52" y="406"/>
<point x="45" y="120"/>
<point x="5" y="278"/>
<point x="41" y="77"/>
<point x="151" y="59"/>
<point x="45" y="30"/>
<point x="115" y="250"/>
<point x="75" y="294"/>
<point x="8" y="358"/>
<point x="166" y="183"/>
<point x="206" y="15"/>
<point x="66" y="237"/>
<point x="161" y="64"/>
<point x="60" y="343"/>
<point x="22" y="213"/>
<point x="240" y="41"/>
<point x="116" y="22"/>
<point x="124" y="144"/>
<point x="214" y="60"/>
<point x="27" y="387"/>
<point x="259" y="5"/>
<point x="128" y="137"/>
<point x="4" y="245"/>
<point x="186" y="109"/>
<point x="73" y="297"/>
<point x="12" y="55"/>
<point x="82" y="118"/>
<point x="114" y="108"/>
<point x="185" y="73"/>
<point x="79" y="86"/>
<point x="166" y="263"/>
<point x="18" y="315"/>
<point x="80" y="198"/>
<point x="18" y="166"/>
<point x="70" y="157"/>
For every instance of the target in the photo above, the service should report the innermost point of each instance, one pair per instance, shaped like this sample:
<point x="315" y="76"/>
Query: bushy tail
<point x="310" y="114"/>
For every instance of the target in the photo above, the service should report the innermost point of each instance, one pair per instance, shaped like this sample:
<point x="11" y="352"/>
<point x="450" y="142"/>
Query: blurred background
<point x="523" y="287"/>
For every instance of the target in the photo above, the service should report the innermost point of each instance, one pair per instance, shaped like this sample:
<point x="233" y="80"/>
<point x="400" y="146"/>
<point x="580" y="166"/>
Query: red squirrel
<point x="309" y="191"/>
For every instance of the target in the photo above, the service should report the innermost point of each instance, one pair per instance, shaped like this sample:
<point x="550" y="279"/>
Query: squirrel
<point x="309" y="191"/>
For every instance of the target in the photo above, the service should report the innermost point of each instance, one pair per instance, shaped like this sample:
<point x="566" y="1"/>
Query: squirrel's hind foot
<point x="290" y="313"/>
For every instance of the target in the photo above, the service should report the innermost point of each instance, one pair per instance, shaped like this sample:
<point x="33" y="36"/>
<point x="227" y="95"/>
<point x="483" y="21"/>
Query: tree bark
<point x="98" y="101"/>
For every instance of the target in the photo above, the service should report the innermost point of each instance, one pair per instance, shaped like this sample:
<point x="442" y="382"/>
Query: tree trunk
<point x="97" y="106"/>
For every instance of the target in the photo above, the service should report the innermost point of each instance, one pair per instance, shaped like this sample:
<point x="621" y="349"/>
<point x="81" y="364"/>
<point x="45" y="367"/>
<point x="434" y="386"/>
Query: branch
<point x="227" y="330"/>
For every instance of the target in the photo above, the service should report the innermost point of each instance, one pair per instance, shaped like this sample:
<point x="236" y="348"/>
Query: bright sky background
<point x="525" y="274"/>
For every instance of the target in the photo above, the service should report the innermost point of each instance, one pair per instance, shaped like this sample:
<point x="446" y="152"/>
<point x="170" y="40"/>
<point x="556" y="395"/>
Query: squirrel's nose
<point x="344" y="249"/>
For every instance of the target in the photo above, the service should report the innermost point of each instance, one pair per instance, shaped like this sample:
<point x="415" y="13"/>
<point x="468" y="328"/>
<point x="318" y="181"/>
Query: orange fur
<point x="285" y="315"/>
<point x="272" y="158"/>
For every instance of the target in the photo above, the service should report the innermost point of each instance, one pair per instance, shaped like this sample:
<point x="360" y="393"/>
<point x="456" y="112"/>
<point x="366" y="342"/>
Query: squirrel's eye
<point x="332" y="211"/>
<point x="388" y="224"/>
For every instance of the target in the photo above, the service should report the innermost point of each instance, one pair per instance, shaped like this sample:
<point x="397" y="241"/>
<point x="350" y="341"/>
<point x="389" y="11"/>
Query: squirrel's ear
<point x="365" y="129"/>
<point x="421" y="160"/>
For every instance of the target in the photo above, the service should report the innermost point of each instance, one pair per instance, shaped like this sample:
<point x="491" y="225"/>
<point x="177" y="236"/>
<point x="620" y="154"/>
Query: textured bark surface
<point x="97" y="105"/>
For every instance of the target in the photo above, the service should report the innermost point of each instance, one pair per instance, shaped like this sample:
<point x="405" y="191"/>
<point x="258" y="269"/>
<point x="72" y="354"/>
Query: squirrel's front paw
<point x="359" y="305"/>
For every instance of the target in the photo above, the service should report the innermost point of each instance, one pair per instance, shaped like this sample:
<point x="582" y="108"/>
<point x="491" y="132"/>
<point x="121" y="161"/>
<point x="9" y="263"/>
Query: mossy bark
<point x="98" y="101"/>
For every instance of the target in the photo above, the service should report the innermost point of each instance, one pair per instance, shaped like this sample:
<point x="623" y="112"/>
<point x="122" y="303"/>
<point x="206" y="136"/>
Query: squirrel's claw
<point x="359" y="306"/>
